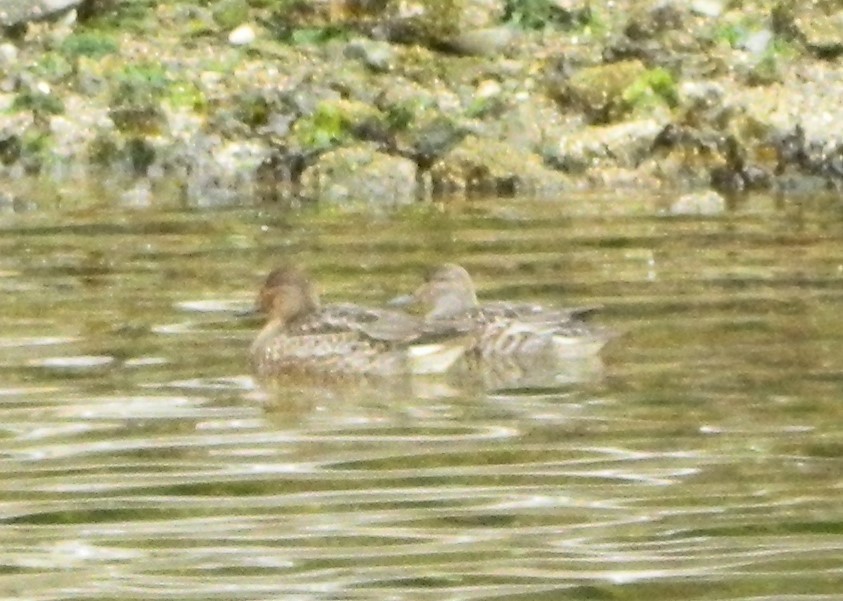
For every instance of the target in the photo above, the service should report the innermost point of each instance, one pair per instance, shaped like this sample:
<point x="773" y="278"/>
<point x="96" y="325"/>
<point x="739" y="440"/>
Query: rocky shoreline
<point x="387" y="103"/>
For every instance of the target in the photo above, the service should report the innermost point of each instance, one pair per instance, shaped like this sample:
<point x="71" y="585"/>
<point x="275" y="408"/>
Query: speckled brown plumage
<point x="300" y="335"/>
<point x="500" y="330"/>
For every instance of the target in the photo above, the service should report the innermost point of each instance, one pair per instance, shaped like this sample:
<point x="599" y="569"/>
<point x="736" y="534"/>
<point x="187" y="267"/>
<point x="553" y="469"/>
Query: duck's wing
<point x="377" y="325"/>
<point x="391" y="326"/>
<point x="334" y="319"/>
<point x="533" y="313"/>
<point x="401" y="328"/>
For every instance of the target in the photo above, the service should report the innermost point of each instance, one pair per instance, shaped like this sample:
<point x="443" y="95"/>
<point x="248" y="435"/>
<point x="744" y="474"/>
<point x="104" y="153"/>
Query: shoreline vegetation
<point x="389" y="102"/>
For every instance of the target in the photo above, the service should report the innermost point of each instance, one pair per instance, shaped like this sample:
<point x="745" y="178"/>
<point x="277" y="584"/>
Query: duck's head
<point x="287" y="295"/>
<point x="448" y="291"/>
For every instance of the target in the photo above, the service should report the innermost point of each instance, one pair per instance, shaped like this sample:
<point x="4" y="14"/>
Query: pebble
<point x="707" y="8"/>
<point x="488" y="88"/>
<point x="758" y="42"/>
<point x="701" y="203"/>
<point x="241" y="36"/>
<point x="8" y="54"/>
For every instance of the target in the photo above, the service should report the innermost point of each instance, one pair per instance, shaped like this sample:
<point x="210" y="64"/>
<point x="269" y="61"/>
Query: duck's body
<point x="501" y="330"/>
<point x="301" y="336"/>
<point x="512" y="332"/>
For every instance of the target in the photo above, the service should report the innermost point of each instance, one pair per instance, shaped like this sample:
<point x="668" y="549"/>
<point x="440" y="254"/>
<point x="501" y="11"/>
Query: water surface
<point x="138" y="459"/>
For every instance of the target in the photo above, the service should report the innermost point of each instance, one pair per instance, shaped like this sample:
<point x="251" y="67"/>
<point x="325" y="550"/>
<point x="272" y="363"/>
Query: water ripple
<point x="701" y="460"/>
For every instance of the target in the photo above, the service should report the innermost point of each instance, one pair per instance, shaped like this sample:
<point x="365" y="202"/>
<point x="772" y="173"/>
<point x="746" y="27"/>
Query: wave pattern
<point x="138" y="460"/>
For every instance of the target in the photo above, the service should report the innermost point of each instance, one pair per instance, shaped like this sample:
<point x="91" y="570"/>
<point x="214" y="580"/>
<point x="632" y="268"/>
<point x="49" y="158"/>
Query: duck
<point x="301" y="336"/>
<point x="504" y="330"/>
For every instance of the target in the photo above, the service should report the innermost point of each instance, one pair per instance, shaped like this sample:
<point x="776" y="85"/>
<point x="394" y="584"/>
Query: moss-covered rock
<point x="333" y="123"/>
<point x="358" y="175"/>
<point x="228" y="14"/>
<point x="135" y="103"/>
<point x="600" y="92"/>
<point x="478" y="166"/>
<point x="818" y="24"/>
<point x="464" y="25"/>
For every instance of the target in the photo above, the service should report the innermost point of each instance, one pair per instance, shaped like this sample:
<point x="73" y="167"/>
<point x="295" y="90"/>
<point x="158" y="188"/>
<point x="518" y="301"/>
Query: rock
<point x="670" y="34"/>
<point x="488" y="41"/>
<point x="624" y="145"/>
<point x="699" y="203"/>
<point x="14" y="154"/>
<point x="652" y="20"/>
<point x="707" y="8"/>
<point x="229" y="14"/>
<point x="758" y="42"/>
<point x="694" y="92"/>
<point x="703" y="105"/>
<point x="818" y="24"/>
<point x="598" y="91"/>
<point x="477" y="14"/>
<point x="378" y="56"/>
<point x="531" y="123"/>
<point x="478" y="166"/>
<point x="430" y="136"/>
<point x="136" y="196"/>
<point x="72" y="133"/>
<point x="220" y="173"/>
<point x="736" y="173"/>
<point x="361" y="175"/>
<point x="13" y="203"/>
<point x="797" y="121"/>
<point x="550" y="15"/>
<point x="463" y="25"/>
<point x="13" y="12"/>
<point x="8" y="55"/>
<point x="487" y="89"/>
<point x="241" y="36"/>
<point x="7" y="202"/>
<point x="644" y="177"/>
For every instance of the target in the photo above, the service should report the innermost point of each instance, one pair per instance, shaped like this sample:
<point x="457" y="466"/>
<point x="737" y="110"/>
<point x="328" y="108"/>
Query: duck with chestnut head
<point x="303" y="336"/>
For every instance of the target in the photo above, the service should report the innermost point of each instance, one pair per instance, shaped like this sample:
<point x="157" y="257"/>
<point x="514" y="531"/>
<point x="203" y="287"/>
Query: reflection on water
<point x="700" y="459"/>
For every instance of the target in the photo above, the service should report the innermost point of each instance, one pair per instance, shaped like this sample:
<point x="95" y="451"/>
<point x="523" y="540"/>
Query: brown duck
<point x="303" y="336"/>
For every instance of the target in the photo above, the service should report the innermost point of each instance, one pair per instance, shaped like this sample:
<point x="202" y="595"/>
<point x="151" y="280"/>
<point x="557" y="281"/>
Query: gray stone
<point x="361" y="175"/>
<point x="242" y="35"/>
<point x="13" y="12"/>
<point x="707" y="8"/>
<point x="487" y="41"/>
<point x="758" y="42"/>
<point x="699" y="203"/>
<point x="378" y="56"/>
<point x="624" y="145"/>
<point x="224" y="174"/>
<point x="8" y="55"/>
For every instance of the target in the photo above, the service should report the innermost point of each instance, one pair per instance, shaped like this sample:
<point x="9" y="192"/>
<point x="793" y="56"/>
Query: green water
<point x="701" y="460"/>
